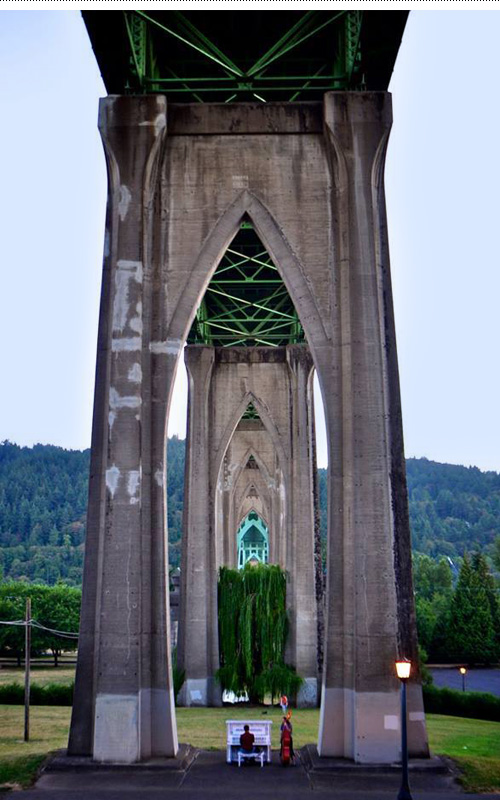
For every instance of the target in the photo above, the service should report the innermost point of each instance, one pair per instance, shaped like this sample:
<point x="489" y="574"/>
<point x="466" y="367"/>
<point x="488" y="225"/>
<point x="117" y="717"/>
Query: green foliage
<point x="175" y="497"/>
<point x="43" y="498"/>
<point x="56" y="607"/>
<point x="461" y="625"/>
<point x="433" y="592"/>
<point x="471" y="633"/>
<point x="474" y="705"/>
<point x="43" y="502"/>
<point x="425" y="673"/>
<point x="54" y="694"/>
<point x="253" y="628"/>
<point x="453" y="509"/>
<point x="495" y="556"/>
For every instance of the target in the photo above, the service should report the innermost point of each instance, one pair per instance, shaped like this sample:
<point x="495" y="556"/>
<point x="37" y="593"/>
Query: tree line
<point x="43" y="498"/>
<point x="458" y="617"/>
<point x="453" y="510"/>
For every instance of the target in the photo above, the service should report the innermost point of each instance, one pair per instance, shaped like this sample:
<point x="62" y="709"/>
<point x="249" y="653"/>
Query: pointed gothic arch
<point x="274" y="240"/>
<point x="251" y="453"/>
<point x="267" y="421"/>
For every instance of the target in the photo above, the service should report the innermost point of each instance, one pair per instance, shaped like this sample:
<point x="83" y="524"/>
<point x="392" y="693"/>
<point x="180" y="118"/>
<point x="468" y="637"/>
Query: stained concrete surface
<point x="205" y="774"/>
<point x="315" y="195"/>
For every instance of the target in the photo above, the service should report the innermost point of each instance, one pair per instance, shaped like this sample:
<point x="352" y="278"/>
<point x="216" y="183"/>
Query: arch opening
<point x="246" y="303"/>
<point x="249" y="440"/>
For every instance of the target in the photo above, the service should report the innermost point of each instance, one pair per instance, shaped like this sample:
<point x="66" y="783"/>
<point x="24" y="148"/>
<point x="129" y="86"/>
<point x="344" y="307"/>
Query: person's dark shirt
<point x="246" y="741"/>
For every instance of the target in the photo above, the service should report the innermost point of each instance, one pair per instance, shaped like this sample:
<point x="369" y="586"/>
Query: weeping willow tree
<point x="253" y="627"/>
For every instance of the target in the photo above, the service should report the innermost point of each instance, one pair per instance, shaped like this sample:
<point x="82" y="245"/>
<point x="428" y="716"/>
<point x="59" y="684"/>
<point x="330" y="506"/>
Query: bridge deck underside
<point x="233" y="55"/>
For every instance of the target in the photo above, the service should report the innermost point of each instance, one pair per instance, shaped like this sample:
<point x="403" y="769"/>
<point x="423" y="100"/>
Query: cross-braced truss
<point x="288" y="64"/>
<point x="234" y="55"/>
<point x="246" y="302"/>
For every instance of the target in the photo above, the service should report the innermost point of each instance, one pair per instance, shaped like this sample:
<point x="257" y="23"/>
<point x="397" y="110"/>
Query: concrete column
<point x="369" y="588"/>
<point x="123" y="709"/>
<point x="302" y="601"/>
<point x="198" y="631"/>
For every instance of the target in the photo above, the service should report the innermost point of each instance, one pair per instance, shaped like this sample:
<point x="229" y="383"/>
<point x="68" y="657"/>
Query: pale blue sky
<point x="442" y="178"/>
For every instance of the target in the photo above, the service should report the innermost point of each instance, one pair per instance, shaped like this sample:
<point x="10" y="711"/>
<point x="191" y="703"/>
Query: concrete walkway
<point x="202" y="775"/>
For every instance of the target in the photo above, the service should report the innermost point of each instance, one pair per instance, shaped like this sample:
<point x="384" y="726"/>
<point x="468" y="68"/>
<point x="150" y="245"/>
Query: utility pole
<point x="27" y="659"/>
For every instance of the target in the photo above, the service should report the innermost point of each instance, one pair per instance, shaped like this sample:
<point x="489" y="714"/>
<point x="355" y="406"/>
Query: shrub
<point x="475" y="705"/>
<point x="54" y="694"/>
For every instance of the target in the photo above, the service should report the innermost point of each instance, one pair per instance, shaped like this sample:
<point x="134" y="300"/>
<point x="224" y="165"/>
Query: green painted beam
<point x="235" y="80"/>
<point x="287" y="46"/>
<point x="189" y="43"/>
<point x="246" y="302"/>
<point x="137" y="37"/>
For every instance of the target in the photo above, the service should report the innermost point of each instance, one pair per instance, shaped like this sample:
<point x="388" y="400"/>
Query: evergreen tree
<point x="486" y="579"/>
<point x="471" y="634"/>
<point x="496" y="553"/>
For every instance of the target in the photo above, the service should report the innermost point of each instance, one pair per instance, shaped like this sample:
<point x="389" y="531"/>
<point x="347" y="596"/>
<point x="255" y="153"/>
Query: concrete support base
<point x="123" y="732"/>
<point x="363" y="726"/>
<point x="200" y="692"/>
<point x="307" y="696"/>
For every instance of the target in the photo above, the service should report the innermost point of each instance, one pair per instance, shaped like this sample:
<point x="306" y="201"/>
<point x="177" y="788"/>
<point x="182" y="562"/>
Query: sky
<point x="442" y="179"/>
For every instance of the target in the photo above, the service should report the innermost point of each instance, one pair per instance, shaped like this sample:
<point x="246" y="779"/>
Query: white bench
<point x="242" y="756"/>
<point x="261" y="730"/>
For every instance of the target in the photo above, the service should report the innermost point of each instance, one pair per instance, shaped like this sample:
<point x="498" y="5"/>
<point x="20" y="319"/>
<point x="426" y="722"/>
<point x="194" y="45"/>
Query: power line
<point x="34" y="623"/>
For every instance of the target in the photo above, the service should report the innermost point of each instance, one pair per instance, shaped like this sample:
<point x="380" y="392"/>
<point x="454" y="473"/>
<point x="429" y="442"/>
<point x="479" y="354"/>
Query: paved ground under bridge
<point x="204" y="774"/>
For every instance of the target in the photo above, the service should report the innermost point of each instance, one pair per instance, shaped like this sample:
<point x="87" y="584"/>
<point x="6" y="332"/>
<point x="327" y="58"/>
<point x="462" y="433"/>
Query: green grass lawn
<point x="19" y="760"/>
<point x="41" y="675"/>
<point x="473" y="744"/>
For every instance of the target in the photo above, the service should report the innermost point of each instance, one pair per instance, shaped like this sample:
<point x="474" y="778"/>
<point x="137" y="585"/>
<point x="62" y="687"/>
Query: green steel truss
<point x="295" y="66"/>
<point x="251" y="413"/>
<point x="246" y="303"/>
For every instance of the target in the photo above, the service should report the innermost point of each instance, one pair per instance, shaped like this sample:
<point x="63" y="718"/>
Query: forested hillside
<point x="43" y="501"/>
<point x="453" y="509"/>
<point x="43" y="496"/>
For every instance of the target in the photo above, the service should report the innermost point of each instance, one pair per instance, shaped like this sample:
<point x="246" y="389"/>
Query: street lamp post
<point x="403" y="667"/>
<point x="463" y="673"/>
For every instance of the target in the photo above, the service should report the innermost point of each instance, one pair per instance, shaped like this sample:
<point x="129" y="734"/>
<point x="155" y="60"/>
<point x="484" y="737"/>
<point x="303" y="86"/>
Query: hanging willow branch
<point x="253" y="627"/>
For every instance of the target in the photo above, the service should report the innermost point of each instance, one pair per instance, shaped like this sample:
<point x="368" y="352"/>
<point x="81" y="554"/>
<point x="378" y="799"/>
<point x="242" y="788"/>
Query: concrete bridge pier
<point x="124" y="707"/>
<point x="222" y="383"/>
<point x="198" y="642"/>
<point x="370" y="616"/>
<point x="310" y="178"/>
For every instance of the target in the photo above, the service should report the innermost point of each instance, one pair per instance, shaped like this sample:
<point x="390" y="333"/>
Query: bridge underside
<point x="186" y="179"/>
<point x="243" y="56"/>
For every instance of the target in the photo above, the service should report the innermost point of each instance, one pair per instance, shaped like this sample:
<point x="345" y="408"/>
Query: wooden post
<point x="27" y="658"/>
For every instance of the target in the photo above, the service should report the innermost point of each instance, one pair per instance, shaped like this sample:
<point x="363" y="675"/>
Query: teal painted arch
<point x="252" y="540"/>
